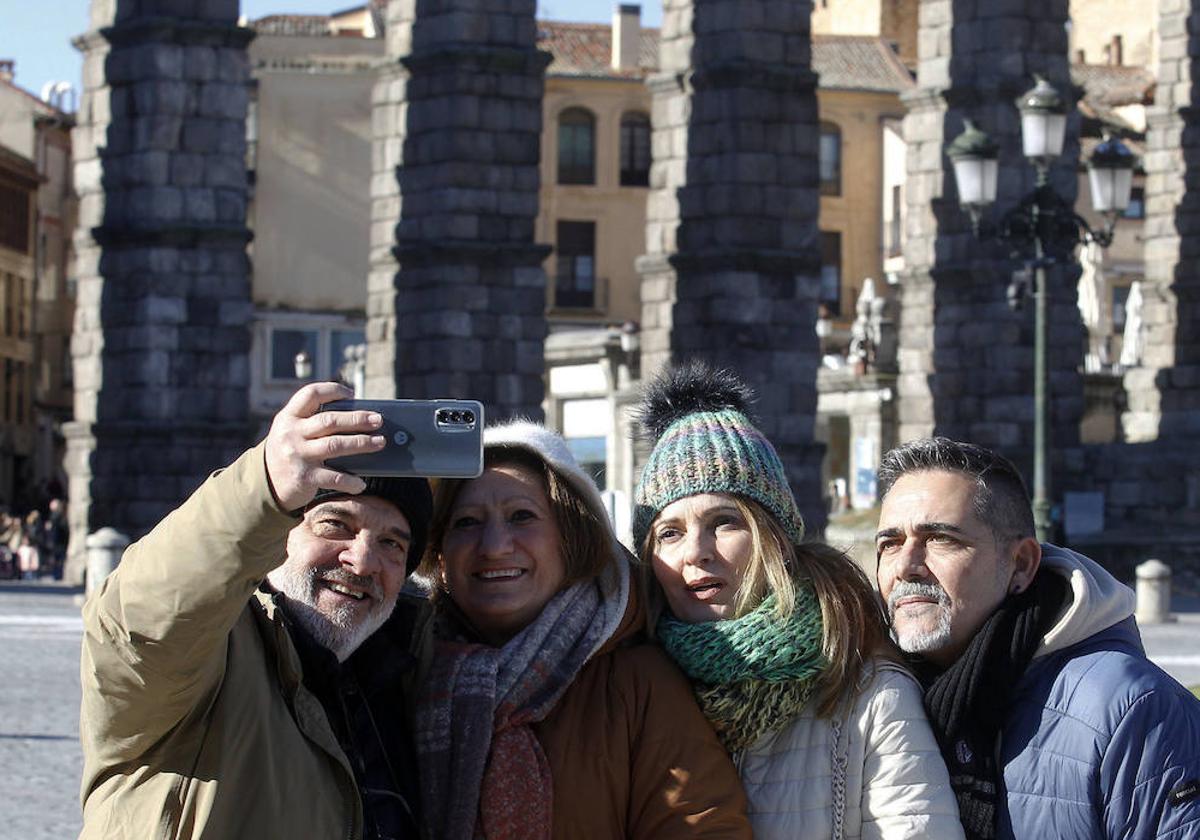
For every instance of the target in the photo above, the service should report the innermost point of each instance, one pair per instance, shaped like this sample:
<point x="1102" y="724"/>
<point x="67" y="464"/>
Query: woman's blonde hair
<point x="854" y="627"/>
<point x="586" y="545"/>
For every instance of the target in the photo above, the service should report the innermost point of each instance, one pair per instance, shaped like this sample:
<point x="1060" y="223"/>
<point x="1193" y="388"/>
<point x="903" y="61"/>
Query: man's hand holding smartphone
<point x="424" y="438"/>
<point x="303" y="437"/>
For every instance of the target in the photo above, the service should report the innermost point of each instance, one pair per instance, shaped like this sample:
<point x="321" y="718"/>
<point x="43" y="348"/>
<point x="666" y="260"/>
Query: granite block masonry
<point x="731" y="269"/>
<point x="1164" y="389"/>
<point x="456" y="292"/>
<point x="965" y="357"/>
<point x="161" y="341"/>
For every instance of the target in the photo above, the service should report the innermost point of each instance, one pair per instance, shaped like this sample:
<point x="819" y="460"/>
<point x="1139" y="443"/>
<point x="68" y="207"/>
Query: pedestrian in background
<point x="546" y="713"/>
<point x="29" y="549"/>
<point x="10" y="541"/>
<point x="784" y="641"/>
<point x="54" y="537"/>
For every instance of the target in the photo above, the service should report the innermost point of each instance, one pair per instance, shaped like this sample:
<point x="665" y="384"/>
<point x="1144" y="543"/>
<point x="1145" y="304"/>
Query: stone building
<point x="595" y="167"/>
<point x="309" y="162"/>
<point x="18" y="191"/>
<point x="37" y="217"/>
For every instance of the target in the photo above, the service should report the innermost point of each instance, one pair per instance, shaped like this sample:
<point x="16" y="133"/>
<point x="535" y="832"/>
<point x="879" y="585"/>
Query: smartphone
<point x="426" y="438"/>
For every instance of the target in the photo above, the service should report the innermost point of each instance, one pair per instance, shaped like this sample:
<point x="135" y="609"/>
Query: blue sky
<point x="38" y="34"/>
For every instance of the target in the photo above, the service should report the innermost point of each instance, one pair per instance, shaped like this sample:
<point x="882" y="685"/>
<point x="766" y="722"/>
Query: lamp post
<point x="1042" y="230"/>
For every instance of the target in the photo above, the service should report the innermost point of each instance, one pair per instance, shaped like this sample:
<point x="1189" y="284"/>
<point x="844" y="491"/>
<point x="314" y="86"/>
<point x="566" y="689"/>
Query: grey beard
<point x="341" y="630"/>
<point x="921" y="641"/>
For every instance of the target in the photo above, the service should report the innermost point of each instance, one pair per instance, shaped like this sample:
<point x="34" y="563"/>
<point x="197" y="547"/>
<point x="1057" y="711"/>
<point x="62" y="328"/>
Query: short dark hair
<point x="1001" y="499"/>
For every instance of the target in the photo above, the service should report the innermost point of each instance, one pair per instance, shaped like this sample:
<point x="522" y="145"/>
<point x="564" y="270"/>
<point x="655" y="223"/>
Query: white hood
<point x="1098" y="600"/>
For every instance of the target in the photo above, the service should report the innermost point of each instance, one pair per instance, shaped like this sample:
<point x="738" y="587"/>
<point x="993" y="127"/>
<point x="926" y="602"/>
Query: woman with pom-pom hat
<point x="784" y="641"/>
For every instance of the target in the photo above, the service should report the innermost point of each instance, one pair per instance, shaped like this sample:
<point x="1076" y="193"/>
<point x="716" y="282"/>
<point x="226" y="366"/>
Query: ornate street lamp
<point x="976" y="170"/>
<point x="1043" y="122"/>
<point x="1110" y="176"/>
<point x="1041" y="231"/>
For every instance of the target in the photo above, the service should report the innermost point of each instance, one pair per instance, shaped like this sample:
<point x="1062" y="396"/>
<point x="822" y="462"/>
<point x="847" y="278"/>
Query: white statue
<point x="1095" y="306"/>
<point x="1131" y="343"/>
<point x="862" y="340"/>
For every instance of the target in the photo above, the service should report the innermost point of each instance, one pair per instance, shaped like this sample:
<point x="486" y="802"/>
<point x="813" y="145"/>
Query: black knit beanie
<point x="411" y="496"/>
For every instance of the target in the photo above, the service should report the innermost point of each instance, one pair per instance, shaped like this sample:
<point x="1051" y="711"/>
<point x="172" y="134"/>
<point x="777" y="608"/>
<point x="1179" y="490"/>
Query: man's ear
<point x="1026" y="555"/>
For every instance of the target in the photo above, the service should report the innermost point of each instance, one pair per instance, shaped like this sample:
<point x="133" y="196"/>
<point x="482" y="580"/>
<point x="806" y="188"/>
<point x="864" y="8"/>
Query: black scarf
<point x="967" y="702"/>
<point x="363" y="699"/>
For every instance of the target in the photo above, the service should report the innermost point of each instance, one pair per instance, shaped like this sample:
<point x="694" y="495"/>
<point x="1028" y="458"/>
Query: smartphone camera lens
<point x="468" y="416"/>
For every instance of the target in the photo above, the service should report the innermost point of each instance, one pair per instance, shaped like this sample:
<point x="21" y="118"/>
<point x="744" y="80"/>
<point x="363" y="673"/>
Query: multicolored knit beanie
<point x="706" y="443"/>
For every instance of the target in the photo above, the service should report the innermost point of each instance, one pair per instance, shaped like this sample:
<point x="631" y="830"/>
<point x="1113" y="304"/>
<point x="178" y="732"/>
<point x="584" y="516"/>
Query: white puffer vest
<point x="871" y="772"/>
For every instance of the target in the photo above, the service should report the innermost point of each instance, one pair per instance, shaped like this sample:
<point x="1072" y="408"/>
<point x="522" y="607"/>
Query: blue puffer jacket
<point x="1099" y="742"/>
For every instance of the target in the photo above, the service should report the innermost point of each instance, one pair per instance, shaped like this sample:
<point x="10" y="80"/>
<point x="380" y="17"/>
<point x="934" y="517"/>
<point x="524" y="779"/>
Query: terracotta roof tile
<point x="843" y="61"/>
<point x="859" y="62"/>
<point x="292" y="25"/>
<point x="585" y="49"/>
<point x="1107" y="85"/>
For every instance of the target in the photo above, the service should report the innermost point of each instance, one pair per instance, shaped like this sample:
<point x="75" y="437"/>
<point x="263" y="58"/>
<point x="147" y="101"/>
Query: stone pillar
<point x="965" y="358"/>
<point x="731" y="267"/>
<point x="161" y="340"/>
<point x="457" y="309"/>
<point x="1164" y="391"/>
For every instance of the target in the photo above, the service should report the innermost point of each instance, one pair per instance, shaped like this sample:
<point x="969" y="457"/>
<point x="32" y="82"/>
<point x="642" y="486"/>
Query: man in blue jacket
<point x="1052" y="721"/>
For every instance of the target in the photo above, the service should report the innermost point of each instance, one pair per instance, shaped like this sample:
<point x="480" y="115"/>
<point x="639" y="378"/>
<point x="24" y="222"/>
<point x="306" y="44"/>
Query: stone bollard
<point x="1154" y="593"/>
<point x="103" y="553"/>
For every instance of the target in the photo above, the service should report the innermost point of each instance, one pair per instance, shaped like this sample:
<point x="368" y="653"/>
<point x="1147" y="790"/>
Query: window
<point x="575" y="270"/>
<point x="1120" y="296"/>
<point x="830" y="159"/>
<point x="6" y="303"/>
<point x="576" y="147"/>
<point x="1137" y="204"/>
<point x="894" y="244"/>
<point x="68" y="363"/>
<point x="285" y="344"/>
<point x="14" y="219"/>
<point x="9" y="385"/>
<point x="339" y="340"/>
<point x="635" y="150"/>
<point x="831" y="272"/>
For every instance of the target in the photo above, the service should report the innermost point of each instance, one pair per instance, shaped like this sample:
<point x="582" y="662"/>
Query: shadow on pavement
<point x="40" y="587"/>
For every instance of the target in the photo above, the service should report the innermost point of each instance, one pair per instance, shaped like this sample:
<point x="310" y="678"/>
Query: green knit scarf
<point x="753" y="674"/>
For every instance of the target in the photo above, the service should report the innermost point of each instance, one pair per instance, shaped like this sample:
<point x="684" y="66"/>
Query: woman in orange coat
<point x="546" y="713"/>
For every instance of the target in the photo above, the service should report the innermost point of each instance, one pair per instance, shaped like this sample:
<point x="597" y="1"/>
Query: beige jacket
<point x="194" y="721"/>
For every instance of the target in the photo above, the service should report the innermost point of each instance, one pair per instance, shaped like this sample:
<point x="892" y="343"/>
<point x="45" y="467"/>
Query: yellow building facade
<point x="37" y="221"/>
<point x="861" y="79"/>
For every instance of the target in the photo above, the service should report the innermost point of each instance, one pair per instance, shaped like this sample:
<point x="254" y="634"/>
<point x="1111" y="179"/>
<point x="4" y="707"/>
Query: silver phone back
<point x="420" y="441"/>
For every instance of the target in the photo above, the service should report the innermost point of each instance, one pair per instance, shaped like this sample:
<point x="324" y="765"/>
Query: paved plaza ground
<point x="39" y="702"/>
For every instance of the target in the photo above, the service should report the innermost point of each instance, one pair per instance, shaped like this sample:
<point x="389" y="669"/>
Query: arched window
<point x="576" y="147"/>
<point x="635" y="149"/>
<point x="830" y="160"/>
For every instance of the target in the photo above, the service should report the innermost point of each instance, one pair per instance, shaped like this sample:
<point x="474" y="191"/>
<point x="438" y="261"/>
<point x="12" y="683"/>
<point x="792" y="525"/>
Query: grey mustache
<point x="348" y="578"/>
<point x="906" y="589"/>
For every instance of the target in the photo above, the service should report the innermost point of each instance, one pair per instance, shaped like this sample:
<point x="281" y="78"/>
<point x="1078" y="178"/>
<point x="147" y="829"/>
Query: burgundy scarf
<point x="483" y="772"/>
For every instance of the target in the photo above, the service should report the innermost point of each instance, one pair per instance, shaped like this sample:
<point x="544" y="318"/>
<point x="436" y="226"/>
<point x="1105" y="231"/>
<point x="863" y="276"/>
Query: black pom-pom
<point x="687" y="388"/>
